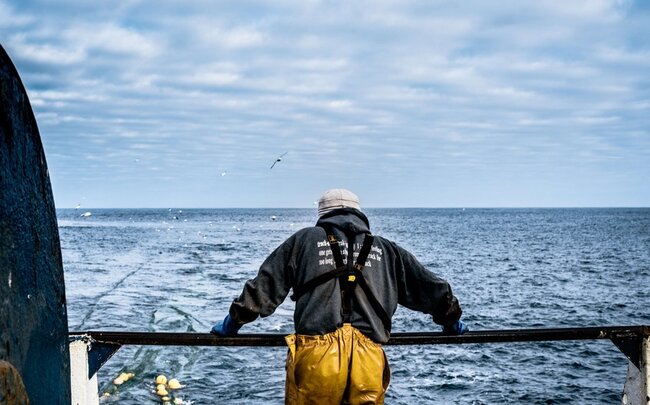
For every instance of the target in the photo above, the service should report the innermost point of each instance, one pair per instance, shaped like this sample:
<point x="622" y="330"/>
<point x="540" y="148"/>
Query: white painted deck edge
<point x="84" y="390"/>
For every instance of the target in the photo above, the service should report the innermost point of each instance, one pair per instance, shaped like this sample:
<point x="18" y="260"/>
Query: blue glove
<point x="227" y="327"/>
<point x="457" y="328"/>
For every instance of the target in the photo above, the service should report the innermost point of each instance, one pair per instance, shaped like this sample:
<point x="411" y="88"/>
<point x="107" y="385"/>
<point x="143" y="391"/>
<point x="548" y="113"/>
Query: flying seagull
<point x="279" y="159"/>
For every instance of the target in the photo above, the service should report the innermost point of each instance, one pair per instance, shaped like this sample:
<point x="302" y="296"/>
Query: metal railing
<point x="632" y="341"/>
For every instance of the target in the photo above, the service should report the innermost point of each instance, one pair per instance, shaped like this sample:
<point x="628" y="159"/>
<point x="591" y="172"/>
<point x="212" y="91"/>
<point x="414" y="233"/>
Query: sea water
<point x="178" y="270"/>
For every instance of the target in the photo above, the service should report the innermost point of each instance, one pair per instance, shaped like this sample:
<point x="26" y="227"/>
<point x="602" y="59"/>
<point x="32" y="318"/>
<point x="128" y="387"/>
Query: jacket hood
<point x="348" y="220"/>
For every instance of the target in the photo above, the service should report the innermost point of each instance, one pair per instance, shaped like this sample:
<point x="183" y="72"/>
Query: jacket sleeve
<point x="262" y="295"/>
<point x="421" y="290"/>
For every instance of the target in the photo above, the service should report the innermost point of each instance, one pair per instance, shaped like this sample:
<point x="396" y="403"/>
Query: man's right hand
<point x="227" y="327"/>
<point x="456" y="328"/>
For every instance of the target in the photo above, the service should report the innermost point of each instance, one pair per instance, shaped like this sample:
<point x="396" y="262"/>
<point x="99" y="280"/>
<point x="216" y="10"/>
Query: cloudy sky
<point x="407" y="103"/>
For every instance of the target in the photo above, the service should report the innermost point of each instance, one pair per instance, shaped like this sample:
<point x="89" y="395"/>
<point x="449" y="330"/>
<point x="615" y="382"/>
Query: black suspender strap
<point x="363" y="253"/>
<point x="340" y="269"/>
<point x="347" y="283"/>
<point x="361" y="280"/>
<point x="316" y="281"/>
<point x="349" y="276"/>
<point x="336" y="250"/>
<point x="376" y="305"/>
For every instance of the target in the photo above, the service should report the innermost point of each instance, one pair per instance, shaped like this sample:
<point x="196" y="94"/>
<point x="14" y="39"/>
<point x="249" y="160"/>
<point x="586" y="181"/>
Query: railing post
<point x="645" y="368"/>
<point x="85" y="390"/>
<point x="637" y="384"/>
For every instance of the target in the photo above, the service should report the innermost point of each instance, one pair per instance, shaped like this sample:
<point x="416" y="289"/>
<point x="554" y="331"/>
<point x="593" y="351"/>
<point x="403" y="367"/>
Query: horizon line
<point x="362" y="209"/>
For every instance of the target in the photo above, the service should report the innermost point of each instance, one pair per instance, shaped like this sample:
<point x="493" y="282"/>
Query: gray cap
<point x="337" y="198"/>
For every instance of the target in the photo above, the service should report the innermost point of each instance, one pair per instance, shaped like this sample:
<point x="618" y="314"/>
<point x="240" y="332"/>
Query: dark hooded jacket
<point x="393" y="274"/>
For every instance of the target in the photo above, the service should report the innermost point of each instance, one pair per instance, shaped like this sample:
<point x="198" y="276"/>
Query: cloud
<point x="234" y="37"/>
<point x="111" y="38"/>
<point x="458" y="89"/>
<point x="210" y="77"/>
<point x="10" y="19"/>
<point x="45" y="54"/>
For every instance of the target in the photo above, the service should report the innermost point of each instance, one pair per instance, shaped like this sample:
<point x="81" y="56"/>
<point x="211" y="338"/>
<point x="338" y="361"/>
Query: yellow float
<point x="174" y="384"/>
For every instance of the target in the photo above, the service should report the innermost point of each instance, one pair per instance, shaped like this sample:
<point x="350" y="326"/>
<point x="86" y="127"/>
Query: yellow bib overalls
<point x="344" y="366"/>
<point x="341" y="367"/>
